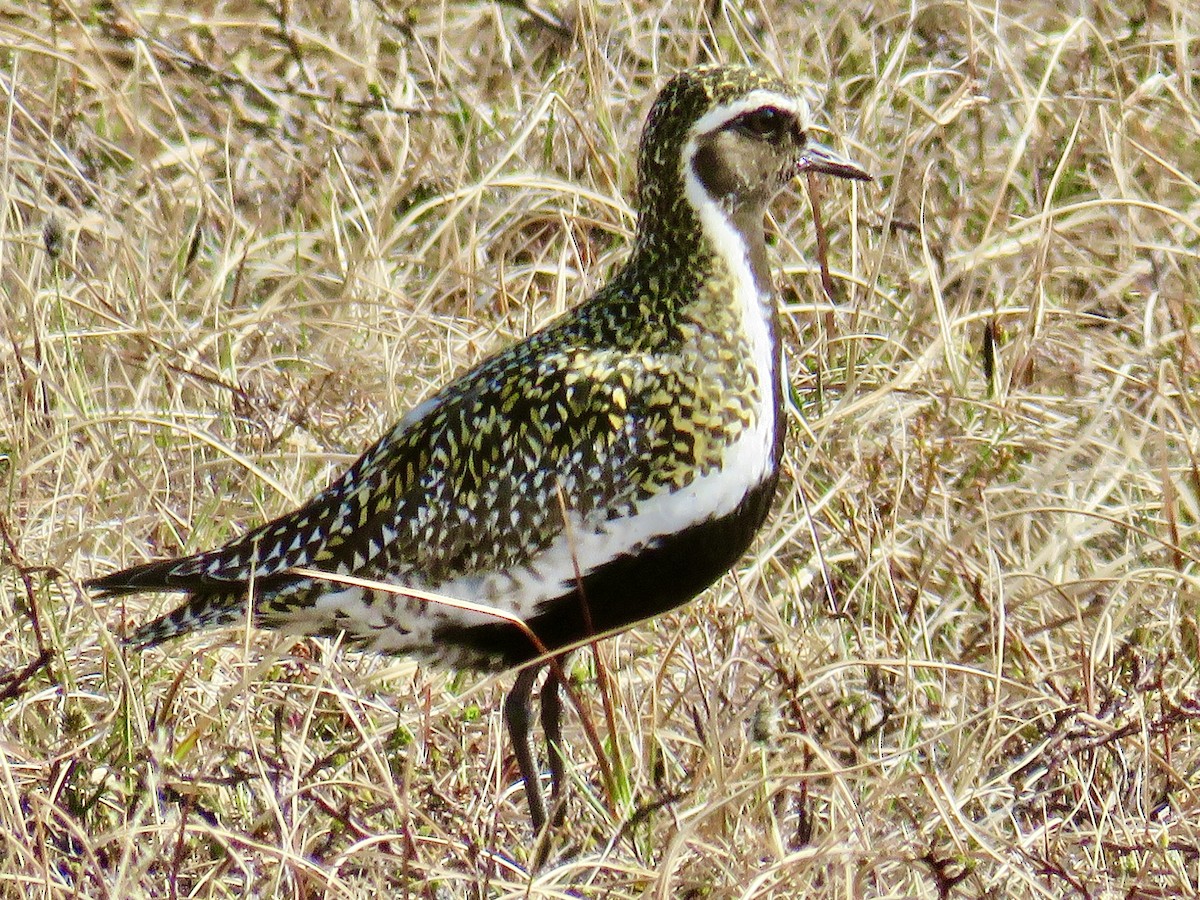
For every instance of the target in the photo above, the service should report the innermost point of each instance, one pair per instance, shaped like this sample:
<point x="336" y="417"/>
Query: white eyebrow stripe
<point x="756" y="99"/>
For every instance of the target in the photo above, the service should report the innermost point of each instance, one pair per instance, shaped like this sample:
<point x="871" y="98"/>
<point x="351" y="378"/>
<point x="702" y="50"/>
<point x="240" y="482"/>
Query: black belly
<point x="627" y="590"/>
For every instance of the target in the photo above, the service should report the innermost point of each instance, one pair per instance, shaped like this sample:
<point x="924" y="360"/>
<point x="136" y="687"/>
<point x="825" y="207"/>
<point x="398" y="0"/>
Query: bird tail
<point x="217" y="584"/>
<point x="199" y="611"/>
<point x="211" y="603"/>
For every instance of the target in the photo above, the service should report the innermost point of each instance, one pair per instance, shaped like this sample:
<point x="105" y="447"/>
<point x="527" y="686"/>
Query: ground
<point x="239" y="239"/>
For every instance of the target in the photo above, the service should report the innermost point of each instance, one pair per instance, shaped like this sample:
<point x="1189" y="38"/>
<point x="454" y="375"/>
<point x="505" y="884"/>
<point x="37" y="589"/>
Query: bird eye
<point x="767" y="123"/>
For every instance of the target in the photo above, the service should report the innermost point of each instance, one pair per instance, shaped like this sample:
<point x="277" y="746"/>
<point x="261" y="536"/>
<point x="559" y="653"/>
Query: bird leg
<point x="551" y="700"/>
<point x="517" y="715"/>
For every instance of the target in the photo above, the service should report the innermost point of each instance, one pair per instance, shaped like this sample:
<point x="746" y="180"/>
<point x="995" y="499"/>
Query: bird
<point x="604" y="470"/>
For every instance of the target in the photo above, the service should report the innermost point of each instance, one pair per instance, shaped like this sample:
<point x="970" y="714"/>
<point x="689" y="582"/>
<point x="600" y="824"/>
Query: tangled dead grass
<point x="238" y="240"/>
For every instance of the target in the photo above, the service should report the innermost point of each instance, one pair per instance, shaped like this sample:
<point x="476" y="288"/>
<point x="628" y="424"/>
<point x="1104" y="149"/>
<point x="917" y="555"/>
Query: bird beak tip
<point x="819" y="158"/>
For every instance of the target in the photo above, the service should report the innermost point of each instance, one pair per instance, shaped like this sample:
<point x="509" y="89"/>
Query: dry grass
<point x="237" y="240"/>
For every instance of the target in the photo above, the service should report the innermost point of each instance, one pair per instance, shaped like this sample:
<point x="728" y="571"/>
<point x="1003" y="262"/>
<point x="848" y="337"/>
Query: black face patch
<point x="737" y="170"/>
<point x="713" y="167"/>
<point x="741" y="174"/>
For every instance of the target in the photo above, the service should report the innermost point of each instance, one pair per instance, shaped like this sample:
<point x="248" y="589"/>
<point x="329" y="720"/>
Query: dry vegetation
<point x="238" y="239"/>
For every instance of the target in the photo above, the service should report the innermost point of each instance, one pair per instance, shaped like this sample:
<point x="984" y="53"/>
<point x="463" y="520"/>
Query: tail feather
<point x="213" y="601"/>
<point x="215" y="571"/>
<point x="153" y="576"/>
<point x="200" y="611"/>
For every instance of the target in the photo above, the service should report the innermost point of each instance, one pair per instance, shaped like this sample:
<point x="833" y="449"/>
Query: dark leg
<point x="551" y="701"/>
<point x="517" y="714"/>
